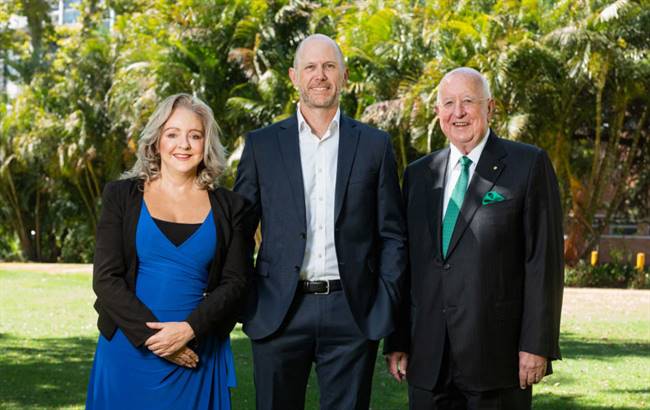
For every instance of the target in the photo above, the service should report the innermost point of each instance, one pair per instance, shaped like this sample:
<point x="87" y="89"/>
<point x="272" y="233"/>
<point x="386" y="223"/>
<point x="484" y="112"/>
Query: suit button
<point x="296" y="268"/>
<point x="447" y="266"/>
<point x="303" y="235"/>
<point x="444" y="310"/>
<point x="438" y="260"/>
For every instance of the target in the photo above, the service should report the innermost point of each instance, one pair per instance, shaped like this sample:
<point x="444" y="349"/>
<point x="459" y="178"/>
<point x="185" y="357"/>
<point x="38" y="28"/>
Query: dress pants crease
<point x="449" y="393"/>
<point x="318" y="329"/>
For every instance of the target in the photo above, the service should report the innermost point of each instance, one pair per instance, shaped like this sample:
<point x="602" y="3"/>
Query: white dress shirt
<point x="318" y="158"/>
<point x="454" y="168"/>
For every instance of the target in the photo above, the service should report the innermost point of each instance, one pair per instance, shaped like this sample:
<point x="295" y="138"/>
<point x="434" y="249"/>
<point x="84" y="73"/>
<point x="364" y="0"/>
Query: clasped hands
<point x="532" y="367"/>
<point x="170" y="343"/>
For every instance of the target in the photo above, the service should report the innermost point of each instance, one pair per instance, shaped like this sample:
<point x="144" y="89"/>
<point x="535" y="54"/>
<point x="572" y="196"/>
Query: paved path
<point x="617" y="298"/>
<point x="48" y="267"/>
<point x="599" y="304"/>
<point x="591" y="293"/>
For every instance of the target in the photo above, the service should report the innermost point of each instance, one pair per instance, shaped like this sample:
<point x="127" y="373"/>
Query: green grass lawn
<point x="48" y="336"/>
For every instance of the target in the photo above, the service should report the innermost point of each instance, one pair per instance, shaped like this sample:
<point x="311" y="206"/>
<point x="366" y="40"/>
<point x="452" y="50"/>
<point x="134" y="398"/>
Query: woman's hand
<point x="397" y="363"/>
<point x="170" y="338"/>
<point x="184" y="357"/>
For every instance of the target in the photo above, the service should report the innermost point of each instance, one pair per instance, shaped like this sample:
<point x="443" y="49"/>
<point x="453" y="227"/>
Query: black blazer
<point x="116" y="265"/>
<point x="369" y="227"/>
<point x="499" y="291"/>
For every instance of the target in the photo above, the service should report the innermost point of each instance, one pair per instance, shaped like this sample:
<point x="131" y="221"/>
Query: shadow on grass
<point x="46" y="373"/>
<point x="547" y="401"/>
<point x="243" y="396"/>
<point x="576" y="347"/>
<point x="53" y="372"/>
<point x="634" y="391"/>
<point x="386" y="393"/>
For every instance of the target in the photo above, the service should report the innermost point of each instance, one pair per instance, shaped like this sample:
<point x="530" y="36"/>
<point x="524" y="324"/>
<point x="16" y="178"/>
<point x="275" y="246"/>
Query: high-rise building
<point x="62" y="13"/>
<point x="65" y="12"/>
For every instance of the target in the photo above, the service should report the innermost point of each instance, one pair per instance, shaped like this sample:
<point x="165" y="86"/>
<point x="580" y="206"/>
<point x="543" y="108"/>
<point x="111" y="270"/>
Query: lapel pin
<point x="495" y="167"/>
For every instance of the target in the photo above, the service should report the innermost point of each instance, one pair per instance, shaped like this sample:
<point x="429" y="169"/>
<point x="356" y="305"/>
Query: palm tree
<point x="607" y="66"/>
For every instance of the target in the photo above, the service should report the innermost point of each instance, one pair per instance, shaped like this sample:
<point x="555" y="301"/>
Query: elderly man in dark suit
<point x="329" y="269"/>
<point x="481" y="321"/>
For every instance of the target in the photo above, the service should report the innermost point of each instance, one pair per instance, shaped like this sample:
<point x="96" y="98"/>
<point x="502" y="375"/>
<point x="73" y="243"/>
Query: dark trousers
<point x="318" y="329"/>
<point x="450" y="394"/>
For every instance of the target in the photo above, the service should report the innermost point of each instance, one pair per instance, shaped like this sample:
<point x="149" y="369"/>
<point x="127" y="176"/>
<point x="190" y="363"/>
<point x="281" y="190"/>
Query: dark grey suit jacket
<point x="369" y="225"/>
<point x="499" y="291"/>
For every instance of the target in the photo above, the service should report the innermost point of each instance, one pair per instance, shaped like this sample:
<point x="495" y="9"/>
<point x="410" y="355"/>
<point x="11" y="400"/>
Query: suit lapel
<point x="438" y="166"/>
<point x="222" y="235"/>
<point x="348" y="141"/>
<point x="290" y="151"/>
<point x="136" y="196"/>
<point x="487" y="172"/>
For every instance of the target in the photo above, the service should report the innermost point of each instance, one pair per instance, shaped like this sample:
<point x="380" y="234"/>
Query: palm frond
<point x="612" y="11"/>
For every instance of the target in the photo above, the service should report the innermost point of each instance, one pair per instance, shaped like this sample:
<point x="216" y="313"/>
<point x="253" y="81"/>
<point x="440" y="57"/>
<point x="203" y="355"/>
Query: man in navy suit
<point x="481" y="319"/>
<point x="329" y="268"/>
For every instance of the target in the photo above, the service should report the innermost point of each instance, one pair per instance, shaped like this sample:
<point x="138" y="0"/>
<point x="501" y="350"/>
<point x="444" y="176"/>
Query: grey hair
<point x="470" y="72"/>
<point x="321" y="37"/>
<point x="147" y="164"/>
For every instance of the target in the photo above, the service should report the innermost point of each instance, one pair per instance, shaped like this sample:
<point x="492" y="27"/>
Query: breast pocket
<point x="500" y="213"/>
<point x="501" y="205"/>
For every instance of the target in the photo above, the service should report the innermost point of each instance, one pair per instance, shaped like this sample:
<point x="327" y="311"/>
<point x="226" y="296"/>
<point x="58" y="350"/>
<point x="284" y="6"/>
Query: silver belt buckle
<point x="327" y="292"/>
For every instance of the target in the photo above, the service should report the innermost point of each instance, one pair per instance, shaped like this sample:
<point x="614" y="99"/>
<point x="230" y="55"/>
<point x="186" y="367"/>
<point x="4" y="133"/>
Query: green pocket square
<point x="492" y="197"/>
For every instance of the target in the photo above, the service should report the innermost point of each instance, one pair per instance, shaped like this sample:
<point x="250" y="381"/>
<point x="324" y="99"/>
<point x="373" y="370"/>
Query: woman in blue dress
<point x="173" y="263"/>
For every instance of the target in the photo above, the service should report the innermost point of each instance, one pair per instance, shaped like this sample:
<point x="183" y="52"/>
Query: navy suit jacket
<point x="499" y="289"/>
<point x="369" y="226"/>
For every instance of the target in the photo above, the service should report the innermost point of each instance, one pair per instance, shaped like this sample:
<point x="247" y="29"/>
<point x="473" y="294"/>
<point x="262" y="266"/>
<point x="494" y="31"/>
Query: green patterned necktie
<point x="455" y="202"/>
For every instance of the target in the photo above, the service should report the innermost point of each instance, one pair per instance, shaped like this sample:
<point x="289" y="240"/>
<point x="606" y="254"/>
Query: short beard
<point x="329" y="103"/>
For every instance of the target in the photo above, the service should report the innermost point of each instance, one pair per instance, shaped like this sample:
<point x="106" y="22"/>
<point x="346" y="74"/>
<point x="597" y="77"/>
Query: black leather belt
<point x="320" y="287"/>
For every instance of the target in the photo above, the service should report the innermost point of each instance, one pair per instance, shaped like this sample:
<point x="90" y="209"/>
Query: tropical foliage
<point x="570" y="76"/>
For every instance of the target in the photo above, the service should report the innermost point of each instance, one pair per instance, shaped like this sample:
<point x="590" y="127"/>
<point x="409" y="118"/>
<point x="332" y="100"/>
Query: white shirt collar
<point x="302" y="123"/>
<point x="474" y="154"/>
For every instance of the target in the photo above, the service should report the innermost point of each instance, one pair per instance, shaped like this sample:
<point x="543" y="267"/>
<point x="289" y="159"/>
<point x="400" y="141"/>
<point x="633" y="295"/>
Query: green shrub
<point x="606" y="275"/>
<point x="78" y="244"/>
<point x="9" y="247"/>
<point x="641" y="280"/>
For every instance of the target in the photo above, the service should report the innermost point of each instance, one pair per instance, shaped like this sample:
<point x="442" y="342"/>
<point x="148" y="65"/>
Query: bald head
<point x="469" y="74"/>
<point x="464" y="108"/>
<point x="319" y="74"/>
<point x="317" y="38"/>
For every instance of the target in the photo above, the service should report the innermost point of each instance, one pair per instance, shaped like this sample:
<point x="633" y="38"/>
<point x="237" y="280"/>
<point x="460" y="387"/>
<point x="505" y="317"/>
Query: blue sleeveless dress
<point x="170" y="281"/>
